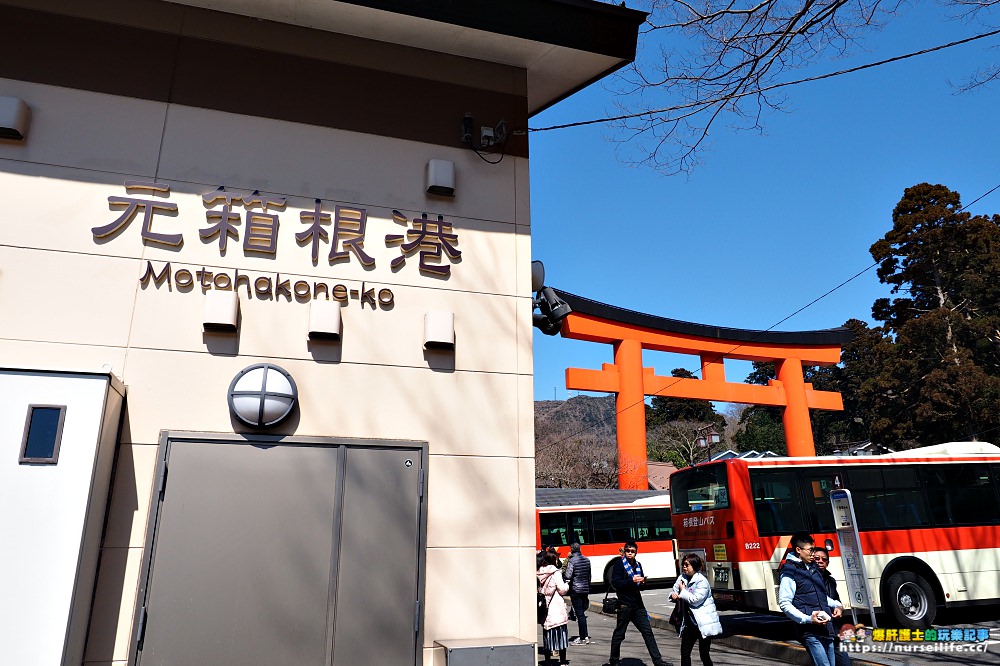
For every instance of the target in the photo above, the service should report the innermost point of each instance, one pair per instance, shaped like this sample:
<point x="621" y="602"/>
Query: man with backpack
<point x="628" y="580"/>
<point x="578" y="577"/>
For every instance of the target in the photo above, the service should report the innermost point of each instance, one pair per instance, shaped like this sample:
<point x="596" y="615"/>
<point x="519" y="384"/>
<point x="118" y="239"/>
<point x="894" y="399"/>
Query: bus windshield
<point x="702" y="488"/>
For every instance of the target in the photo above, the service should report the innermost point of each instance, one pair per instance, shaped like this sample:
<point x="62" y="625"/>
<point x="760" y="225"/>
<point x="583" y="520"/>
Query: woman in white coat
<point x="551" y="584"/>
<point x="700" y="621"/>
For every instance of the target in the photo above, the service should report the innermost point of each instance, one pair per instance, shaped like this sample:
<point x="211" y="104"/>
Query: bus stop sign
<point x="850" y="552"/>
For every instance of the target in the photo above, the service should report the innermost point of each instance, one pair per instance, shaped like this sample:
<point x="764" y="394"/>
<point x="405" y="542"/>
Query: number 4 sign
<point x="850" y="552"/>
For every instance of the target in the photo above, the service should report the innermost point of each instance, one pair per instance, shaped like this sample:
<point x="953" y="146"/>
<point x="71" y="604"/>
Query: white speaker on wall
<point x="222" y="310"/>
<point x="441" y="178"/>
<point x="325" y="321"/>
<point x="14" y="116"/>
<point x="439" y="331"/>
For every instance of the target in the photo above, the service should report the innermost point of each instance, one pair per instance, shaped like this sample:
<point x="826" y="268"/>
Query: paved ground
<point x="760" y="639"/>
<point x="633" y="652"/>
<point x="731" y="650"/>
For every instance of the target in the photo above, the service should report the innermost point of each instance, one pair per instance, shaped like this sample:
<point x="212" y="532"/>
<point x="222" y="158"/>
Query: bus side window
<point x="552" y="528"/>
<point x="868" y="492"/>
<point x="776" y="502"/>
<point x="817" y="489"/>
<point x="768" y="521"/>
<point x="580" y="528"/>
<point x="614" y="526"/>
<point x="904" y="502"/>
<point x="961" y="494"/>
<point x="653" y="525"/>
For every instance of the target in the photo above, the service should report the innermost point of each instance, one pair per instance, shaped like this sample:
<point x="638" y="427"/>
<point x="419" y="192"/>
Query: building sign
<point x="264" y="286"/>
<point x="336" y="235"/>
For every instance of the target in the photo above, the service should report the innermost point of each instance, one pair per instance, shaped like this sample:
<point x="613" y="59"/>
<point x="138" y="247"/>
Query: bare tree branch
<point x="728" y="59"/>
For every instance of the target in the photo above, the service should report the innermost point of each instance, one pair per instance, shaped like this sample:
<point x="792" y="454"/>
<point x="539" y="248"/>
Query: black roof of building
<point x="574" y="496"/>
<point x="829" y="336"/>
<point x="563" y="45"/>
<point x="585" y="25"/>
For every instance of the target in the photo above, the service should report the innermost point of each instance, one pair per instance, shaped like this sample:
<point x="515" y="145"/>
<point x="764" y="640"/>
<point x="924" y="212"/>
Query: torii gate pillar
<point x="631" y="424"/>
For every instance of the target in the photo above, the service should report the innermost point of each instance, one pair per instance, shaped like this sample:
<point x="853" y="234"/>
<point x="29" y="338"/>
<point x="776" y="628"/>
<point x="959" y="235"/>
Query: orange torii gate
<point x="630" y="332"/>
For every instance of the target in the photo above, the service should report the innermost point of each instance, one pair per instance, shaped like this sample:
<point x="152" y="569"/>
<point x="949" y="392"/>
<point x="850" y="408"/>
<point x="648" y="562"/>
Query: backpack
<point x="542" y="608"/>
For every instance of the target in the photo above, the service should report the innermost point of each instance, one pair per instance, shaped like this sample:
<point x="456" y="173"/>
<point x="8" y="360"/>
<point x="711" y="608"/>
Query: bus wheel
<point x="607" y="573"/>
<point x="911" y="600"/>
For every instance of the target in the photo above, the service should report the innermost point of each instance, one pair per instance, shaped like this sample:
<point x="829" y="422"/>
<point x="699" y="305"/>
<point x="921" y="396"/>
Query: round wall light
<point x="262" y="396"/>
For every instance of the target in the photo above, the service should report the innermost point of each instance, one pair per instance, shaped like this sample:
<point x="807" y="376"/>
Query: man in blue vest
<point x="803" y="598"/>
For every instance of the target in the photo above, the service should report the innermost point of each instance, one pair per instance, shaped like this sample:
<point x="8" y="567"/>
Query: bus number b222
<point x="751" y="545"/>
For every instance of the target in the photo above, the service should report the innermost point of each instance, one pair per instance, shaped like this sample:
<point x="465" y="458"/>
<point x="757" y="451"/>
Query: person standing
<point x="552" y="585"/>
<point x="802" y="597"/>
<point x="821" y="558"/>
<point x="578" y="577"/>
<point x="700" y="620"/>
<point x="628" y="580"/>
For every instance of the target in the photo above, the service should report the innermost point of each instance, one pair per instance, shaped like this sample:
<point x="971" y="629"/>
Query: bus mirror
<point x="829" y="545"/>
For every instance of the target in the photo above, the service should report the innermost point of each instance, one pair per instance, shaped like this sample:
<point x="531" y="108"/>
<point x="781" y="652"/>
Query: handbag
<point x="677" y="615"/>
<point x="542" y="608"/>
<point x="610" y="604"/>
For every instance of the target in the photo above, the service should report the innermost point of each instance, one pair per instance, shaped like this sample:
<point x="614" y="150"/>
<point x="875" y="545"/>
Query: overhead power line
<point x="707" y="103"/>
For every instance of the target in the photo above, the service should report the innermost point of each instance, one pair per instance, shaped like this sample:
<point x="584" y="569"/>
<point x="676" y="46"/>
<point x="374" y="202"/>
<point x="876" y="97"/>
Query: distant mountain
<point x="595" y="415"/>
<point x="575" y="443"/>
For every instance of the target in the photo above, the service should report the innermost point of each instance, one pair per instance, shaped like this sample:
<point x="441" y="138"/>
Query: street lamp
<point x="706" y="438"/>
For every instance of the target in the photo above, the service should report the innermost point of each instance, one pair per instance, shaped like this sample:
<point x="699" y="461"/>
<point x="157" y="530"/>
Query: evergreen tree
<point x="940" y="380"/>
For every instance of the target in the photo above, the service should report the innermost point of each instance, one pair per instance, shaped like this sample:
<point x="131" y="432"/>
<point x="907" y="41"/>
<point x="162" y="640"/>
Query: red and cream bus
<point x="601" y="521"/>
<point x="929" y="521"/>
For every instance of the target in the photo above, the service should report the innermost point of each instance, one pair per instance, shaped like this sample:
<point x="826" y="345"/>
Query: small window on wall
<point x="42" y="434"/>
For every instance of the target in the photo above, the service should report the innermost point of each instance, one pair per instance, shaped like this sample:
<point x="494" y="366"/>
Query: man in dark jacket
<point x="802" y="597"/>
<point x="628" y="580"/>
<point x="821" y="558"/>
<point x="578" y="577"/>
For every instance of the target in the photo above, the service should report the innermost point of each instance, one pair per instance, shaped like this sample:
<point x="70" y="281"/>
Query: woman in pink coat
<point x="552" y="585"/>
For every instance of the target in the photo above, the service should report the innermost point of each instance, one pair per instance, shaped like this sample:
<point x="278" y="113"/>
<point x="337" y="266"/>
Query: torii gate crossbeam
<point x="631" y="332"/>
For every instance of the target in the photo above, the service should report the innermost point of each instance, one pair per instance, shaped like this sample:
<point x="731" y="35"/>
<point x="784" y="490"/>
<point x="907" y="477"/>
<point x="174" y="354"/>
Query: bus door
<point x="778" y="510"/>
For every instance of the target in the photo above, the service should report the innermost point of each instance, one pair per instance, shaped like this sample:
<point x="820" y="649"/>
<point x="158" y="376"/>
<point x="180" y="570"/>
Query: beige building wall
<point x="190" y="97"/>
<point x="73" y="302"/>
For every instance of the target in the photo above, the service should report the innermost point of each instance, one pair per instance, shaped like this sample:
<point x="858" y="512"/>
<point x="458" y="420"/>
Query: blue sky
<point x="769" y="222"/>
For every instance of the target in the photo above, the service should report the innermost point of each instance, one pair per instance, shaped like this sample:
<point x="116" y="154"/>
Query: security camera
<point x="553" y="310"/>
<point x="468" y="121"/>
<point x="546" y="326"/>
<point x="553" y="306"/>
<point x="500" y="132"/>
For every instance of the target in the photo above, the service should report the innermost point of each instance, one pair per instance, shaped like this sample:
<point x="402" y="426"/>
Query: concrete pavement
<point x="730" y="650"/>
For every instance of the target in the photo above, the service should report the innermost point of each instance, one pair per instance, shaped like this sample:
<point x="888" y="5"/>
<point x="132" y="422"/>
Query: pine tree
<point x="941" y="379"/>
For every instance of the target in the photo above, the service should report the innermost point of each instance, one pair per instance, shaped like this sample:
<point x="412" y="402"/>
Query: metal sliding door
<point x="376" y="587"/>
<point x="287" y="553"/>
